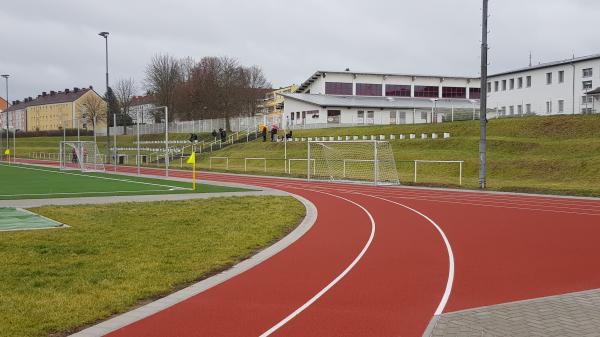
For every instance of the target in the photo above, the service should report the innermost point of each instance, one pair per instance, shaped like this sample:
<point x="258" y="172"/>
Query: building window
<point x="561" y="106"/>
<point x="512" y="83"/>
<point x="587" y="110"/>
<point x="334" y="116"/>
<point x="520" y="109"/>
<point x="397" y="90"/>
<point x="454" y="92"/>
<point x="586" y="85"/>
<point x="370" y="117"/>
<point x="426" y="91"/>
<point x="548" y="78"/>
<point x="475" y="93"/>
<point x="496" y="86"/>
<point x="503" y="85"/>
<point x="360" y="116"/>
<point x="424" y="115"/>
<point x="587" y="99"/>
<point x="549" y="107"/>
<point x="520" y="82"/>
<point x="512" y="109"/>
<point x="338" y="88"/>
<point x="528" y="108"/>
<point x="503" y="111"/>
<point x="528" y="79"/>
<point x="314" y="114"/>
<point x="588" y="72"/>
<point x="368" y="89"/>
<point x="561" y="76"/>
<point x="489" y="87"/>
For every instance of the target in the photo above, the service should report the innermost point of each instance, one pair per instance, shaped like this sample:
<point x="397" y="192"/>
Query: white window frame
<point x="561" y="106"/>
<point x="561" y="76"/>
<point x="549" y="78"/>
<point x="528" y="81"/>
<point x="587" y="72"/>
<point x="584" y="87"/>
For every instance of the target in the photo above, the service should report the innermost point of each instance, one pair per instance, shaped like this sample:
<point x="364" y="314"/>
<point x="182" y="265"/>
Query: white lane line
<point x="450" y="280"/>
<point x="96" y="177"/>
<point x="337" y="279"/>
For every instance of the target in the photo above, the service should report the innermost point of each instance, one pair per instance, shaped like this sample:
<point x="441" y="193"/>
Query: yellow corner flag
<point x="192" y="160"/>
<point x="7" y="152"/>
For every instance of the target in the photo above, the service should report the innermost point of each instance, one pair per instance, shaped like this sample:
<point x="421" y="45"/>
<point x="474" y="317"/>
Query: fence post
<point x="376" y="164"/>
<point x="415" y="180"/>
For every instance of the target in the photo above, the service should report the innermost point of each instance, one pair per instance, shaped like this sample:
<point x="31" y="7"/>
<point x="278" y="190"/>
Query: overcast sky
<point x="52" y="45"/>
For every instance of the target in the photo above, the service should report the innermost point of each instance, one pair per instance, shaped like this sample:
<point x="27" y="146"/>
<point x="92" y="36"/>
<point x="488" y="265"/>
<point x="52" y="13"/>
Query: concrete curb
<point x="197" y="288"/>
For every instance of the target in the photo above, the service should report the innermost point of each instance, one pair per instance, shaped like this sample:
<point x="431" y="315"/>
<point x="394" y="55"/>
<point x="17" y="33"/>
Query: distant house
<point x="3" y="104"/>
<point x="143" y="106"/>
<point x="51" y="111"/>
<point x="273" y="101"/>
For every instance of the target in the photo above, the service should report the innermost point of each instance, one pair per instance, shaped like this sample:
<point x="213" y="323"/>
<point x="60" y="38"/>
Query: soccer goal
<point x="80" y="155"/>
<point x="357" y="161"/>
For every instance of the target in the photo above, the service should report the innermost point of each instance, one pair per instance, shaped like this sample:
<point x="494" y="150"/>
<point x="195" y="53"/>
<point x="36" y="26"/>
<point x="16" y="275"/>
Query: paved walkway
<point x="575" y="314"/>
<point x="27" y="203"/>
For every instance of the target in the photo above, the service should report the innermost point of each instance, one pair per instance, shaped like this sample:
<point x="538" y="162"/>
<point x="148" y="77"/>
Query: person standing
<point x="214" y="135"/>
<point x="264" y="133"/>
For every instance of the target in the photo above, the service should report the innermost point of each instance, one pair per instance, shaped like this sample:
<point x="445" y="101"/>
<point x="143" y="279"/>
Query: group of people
<point x="222" y="133"/>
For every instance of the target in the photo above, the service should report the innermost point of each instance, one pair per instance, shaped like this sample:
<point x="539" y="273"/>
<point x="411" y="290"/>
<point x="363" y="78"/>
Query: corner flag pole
<point x="192" y="160"/>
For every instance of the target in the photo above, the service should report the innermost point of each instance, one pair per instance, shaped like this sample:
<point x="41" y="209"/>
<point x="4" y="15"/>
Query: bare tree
<point x="163" y="75"/>
<point x="124" y="91"/>
<point x="93" y="110"/>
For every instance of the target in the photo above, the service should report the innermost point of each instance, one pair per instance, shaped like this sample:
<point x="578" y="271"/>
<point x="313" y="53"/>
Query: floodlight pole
<point x="483" y="98"/>
<point x="115" y="142"/>
<point x="105" y="36"/>
<point x="166" y="141"/>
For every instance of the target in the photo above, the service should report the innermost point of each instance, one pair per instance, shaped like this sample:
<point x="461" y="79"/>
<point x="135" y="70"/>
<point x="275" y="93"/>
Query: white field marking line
<point x="476" y="204"/>
<point x="463" y="194"/>
<point x="543" y="206"/>
<point x="497" y="204"/>
<point x="338" y="278"/>
<point x="321" y="186"/>
<point x="77" y="193"/>
<point x="97" y="177"/>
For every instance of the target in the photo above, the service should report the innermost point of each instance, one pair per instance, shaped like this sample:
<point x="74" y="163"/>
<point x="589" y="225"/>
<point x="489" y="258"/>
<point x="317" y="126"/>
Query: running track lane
<point x="507" y="247"/>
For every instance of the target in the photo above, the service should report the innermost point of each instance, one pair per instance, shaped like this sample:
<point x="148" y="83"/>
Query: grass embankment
<point x="557" y="154"/>
<point x="114" y="256"/>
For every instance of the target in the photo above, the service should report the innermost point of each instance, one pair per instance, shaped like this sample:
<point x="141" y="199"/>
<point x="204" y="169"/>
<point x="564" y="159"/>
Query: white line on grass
<point x="77" y="193"/>
<point x="337" y="279"/>
<point x="97" y="177"/>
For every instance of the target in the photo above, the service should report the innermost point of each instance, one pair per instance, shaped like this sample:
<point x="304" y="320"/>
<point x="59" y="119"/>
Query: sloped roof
<point x="56" y="98"/>
<point x="380" y="102"/>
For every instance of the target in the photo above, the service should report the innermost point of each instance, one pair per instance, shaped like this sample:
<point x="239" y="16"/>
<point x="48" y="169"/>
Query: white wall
<point x="540" y="92"/>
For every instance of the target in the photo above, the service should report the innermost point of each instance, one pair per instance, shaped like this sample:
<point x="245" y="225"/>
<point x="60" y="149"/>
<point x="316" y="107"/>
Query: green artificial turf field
<point x="33" y="182"/>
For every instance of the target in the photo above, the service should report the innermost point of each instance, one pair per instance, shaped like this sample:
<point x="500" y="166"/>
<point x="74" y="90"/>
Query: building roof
<point x="3" y="104"/>
<point x="54" y="97"/>
<point x="143" y="100"/>
<point x="379" y="102"/>
<point x="320" y="73"/>
<point x="550" y="64"/>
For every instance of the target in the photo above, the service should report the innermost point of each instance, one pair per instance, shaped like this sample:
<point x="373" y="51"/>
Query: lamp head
<point x="103" y="34"/>
<point x="5" y="76"/>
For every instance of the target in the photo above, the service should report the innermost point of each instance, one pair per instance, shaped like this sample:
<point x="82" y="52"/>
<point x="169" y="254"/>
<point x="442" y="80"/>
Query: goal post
<point x="80" y="155"/>
<point x="356" y="161"/>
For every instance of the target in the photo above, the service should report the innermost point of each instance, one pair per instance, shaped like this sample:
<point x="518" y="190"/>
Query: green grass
<point x="114" y="256"/>
<point x="558" y="154"/>
<point x="31" y="182"/>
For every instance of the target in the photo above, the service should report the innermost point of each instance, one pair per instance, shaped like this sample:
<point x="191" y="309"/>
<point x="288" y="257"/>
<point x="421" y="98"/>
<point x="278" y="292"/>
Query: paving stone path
<point x="575" y="314"/>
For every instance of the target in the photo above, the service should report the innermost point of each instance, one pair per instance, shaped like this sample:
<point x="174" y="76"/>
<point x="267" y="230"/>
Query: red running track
<point x="505" y="248"/>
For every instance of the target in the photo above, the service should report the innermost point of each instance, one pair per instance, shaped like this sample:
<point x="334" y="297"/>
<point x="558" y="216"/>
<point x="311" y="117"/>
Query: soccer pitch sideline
<point x="34" y="182"/>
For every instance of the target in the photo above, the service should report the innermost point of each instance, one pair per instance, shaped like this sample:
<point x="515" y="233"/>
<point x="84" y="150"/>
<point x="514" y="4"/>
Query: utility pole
<point x="483" y="98"/>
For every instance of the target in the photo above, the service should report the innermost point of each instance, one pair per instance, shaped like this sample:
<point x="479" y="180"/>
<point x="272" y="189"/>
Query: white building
<point x="144" y="107"/>
<point x="562" y="87"/>
<point x="332" y="98"/>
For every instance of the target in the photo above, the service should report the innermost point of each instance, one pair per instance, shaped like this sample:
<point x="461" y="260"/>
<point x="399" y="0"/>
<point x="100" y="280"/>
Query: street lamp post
<point x="105" y="36"/>
<point x="6" y="76"/>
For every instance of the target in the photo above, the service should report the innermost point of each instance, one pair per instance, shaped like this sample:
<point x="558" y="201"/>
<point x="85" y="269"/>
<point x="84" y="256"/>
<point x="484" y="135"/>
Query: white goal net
<point x="80" y="155"/>
<point x="358" y="161"/>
